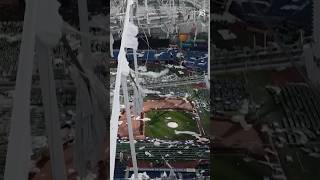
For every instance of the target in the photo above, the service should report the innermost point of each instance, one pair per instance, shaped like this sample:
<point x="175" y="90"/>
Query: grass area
<point x="157" y="127"/>
<point x="231" y="167"/>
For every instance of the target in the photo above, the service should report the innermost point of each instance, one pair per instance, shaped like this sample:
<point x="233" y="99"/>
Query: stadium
<point x="70" y="66"/>
<point x="169" y="118"/>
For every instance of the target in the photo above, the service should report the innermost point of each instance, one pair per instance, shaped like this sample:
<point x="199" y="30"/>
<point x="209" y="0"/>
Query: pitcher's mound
<point x="172" y="125"/>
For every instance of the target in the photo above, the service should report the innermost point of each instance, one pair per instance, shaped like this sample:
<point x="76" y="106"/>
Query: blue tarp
<point x="149" y="55"/>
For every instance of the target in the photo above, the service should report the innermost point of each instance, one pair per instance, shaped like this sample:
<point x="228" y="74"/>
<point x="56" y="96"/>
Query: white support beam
<point x="127" y="41"/>
<point x="51" y="112"/>
<point x="129" y="121"/>
<point x="19" y="141"/>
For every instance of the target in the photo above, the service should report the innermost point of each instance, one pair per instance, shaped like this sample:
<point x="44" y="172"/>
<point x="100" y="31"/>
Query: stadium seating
<point x="174" y="152"/>
<point x="301" y="106"/>
<point x="227" y="94"/>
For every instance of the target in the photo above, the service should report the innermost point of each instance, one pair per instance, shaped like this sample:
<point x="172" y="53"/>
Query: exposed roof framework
<point x="170" y="16"/>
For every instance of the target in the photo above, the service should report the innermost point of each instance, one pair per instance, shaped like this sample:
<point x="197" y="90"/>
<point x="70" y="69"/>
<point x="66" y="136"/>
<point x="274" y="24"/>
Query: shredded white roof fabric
<point x="129" y="40"/>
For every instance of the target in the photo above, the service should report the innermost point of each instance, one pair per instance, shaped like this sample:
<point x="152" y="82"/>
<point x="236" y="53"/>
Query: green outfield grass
<point x="157" y="127"/>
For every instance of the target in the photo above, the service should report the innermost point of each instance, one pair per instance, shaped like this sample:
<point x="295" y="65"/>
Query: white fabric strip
<point x="128" y="40"/>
